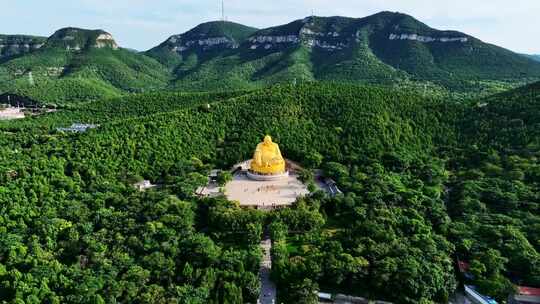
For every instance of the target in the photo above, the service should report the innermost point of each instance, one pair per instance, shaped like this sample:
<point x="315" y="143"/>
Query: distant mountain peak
<point x="208" y="36"/>
<point x="71" y="38"/>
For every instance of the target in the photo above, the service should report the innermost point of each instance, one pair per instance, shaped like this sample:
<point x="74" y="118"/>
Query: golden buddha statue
<point x="267" y="159"/>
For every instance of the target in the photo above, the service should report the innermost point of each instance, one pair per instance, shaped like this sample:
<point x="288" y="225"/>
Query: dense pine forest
<point x="426" y="181"/>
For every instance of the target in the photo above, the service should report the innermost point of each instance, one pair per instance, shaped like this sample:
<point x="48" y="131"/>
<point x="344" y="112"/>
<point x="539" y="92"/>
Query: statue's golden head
<point x="267" y="140"/>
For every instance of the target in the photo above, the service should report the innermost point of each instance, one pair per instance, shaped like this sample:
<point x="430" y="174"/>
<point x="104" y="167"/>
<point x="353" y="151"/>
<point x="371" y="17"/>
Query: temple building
<point x="267" y="162"/>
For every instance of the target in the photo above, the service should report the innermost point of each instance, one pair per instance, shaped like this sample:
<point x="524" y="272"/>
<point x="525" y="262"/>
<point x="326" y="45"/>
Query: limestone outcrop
<point x="76" y="39"/>
<point x="426" y="39"/>
<point x="14" y="45"/>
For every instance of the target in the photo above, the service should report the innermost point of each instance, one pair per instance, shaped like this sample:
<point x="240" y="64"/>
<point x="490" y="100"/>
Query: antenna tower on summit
<point x="223" y="10"/>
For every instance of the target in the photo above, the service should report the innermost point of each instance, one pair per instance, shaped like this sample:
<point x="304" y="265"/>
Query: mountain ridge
<point x="386" y="48"/>
<point x="386" y="45"/>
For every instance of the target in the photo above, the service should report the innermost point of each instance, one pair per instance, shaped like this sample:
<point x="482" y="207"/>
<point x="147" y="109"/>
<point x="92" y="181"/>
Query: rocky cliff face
<point x="313" y="32"/>
<point x="427" y="39"/>
<point x="13" y="45"/>
<point x="218" y="35"/>
<point x="105" y="40"/>
<point x="76" y="39"/>
<point x="339" y="33"/>
<point x="180" y="43"/>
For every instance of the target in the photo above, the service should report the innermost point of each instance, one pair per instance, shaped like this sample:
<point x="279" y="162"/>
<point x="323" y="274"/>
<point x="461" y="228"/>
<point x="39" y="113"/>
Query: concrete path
<point x="268" y="288"/>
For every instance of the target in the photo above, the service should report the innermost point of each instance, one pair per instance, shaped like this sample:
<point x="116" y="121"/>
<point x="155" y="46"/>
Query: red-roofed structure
<point x="525" y="295"/>
<point x="528" y="291"/>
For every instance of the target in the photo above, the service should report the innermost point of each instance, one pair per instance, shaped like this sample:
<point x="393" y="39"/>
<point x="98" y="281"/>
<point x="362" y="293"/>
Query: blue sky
<point x="142" y="24"/>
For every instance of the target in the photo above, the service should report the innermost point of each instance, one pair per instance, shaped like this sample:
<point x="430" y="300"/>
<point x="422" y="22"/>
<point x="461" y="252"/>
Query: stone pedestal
<point x="268" y="177"/>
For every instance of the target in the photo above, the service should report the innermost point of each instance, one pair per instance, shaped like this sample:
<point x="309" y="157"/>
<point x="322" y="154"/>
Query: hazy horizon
<point x="143" y="24"/>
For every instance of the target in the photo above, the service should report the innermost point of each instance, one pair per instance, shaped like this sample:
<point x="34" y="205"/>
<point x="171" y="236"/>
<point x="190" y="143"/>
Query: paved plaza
<point x="249" y="192"/>
<point x="265" y="193"/>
